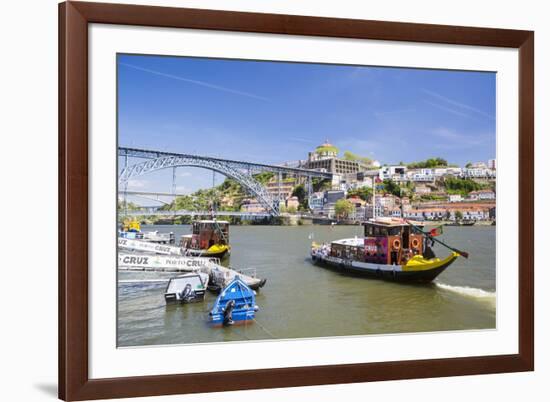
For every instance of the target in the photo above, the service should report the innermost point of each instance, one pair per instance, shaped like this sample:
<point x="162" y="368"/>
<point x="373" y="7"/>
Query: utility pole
<point x="374" y="197"/>
<point x="214" y="191"/>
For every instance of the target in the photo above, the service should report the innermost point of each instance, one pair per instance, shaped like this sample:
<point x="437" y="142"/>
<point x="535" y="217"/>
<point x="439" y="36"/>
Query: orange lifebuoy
<point x="396" y="244"/>
<point x="415" y="243"/>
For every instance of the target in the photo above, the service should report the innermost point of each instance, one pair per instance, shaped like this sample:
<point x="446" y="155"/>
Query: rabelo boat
<point x="392" y="249"/>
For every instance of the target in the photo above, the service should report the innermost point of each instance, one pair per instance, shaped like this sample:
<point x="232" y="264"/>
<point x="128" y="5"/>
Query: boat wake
<point x="470" y="292"/>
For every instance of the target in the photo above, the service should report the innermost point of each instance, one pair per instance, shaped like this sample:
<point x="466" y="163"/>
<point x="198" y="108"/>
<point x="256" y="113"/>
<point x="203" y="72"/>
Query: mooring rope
<point x="265" y="329"/>
<point x="238" y="331"/>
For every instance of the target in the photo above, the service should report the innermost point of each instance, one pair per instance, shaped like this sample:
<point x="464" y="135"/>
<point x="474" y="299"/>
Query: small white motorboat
<point x="186" y="288"/>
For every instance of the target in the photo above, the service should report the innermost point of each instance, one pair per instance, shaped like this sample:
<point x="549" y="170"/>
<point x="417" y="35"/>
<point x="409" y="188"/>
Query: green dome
<point x="326" y="148"/>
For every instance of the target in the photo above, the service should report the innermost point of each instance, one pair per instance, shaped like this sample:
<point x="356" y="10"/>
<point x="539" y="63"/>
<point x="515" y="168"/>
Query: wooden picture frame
<point x="74" y="382"/>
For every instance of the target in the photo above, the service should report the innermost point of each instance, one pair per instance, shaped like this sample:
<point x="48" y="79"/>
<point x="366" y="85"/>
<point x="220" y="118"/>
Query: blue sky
<point x="273" y="112"/>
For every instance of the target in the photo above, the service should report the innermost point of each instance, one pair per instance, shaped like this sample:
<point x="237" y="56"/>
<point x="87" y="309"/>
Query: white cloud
<point x="460" y="107"/>
<point x="196" y="82"/>
<point x="447" y="109"/>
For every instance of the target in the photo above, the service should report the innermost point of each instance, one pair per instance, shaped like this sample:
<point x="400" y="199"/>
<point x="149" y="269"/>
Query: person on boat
<point x="394" y="256"/>
<point x="428" y="252"/>
<point x="407" y="255"/>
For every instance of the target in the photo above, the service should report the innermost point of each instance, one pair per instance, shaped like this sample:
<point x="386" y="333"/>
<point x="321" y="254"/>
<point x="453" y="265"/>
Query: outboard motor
<point x="228" y="313"/>
<point x="186" y="293"/>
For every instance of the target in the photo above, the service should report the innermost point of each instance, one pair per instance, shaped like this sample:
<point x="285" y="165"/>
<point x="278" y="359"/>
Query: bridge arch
<point x="254" y="187"/>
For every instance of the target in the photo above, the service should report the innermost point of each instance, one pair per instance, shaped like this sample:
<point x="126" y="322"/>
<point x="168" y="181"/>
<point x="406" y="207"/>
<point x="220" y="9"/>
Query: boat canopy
<point x="354" y="241"/>
<point x="211" y="225"/>
<point x="212" y="221"/>
<point x="392" y="222"/>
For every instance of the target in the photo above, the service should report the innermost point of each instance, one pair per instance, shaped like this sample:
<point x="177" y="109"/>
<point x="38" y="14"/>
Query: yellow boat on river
<point x="209" y="238"/>
<point x="392" y="249"/>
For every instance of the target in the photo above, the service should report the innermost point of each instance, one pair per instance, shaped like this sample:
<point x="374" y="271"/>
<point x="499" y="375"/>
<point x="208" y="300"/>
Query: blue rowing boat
<point x="236" y="304"/>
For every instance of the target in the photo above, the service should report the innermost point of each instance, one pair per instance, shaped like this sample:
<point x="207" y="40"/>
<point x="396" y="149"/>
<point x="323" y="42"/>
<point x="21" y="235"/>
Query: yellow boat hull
<point x="217" y="251"/>
<point x="417" y="269"/>
<point x="419" y="263"/>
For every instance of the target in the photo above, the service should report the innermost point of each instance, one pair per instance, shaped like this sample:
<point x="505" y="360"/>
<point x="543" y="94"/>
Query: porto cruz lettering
<point x="135" y="260"/>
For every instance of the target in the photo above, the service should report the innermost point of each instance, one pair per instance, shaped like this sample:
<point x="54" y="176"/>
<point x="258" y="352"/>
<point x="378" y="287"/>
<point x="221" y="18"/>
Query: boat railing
<point x="252" y="272"/>
<point x="214" y="260"/>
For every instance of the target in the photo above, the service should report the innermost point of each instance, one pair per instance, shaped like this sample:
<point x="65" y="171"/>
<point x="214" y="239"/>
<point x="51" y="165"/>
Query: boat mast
<point x="213" y="200"/>
<point x="374" y="197"/>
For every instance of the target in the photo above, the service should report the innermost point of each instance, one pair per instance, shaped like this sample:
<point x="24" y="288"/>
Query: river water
<point x="303" y="300"/>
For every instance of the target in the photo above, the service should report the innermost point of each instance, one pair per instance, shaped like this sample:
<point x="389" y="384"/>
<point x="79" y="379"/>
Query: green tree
<point x="130" y="206"/>
<point x="468" y="165"/>
<point x="300" y="192"/>
<point x="365" y="193"/>
<point x="428" y="163"/>
<point x="319" y="184"/>
<point x="350" y="156"/>
<point x="391" y="187"/>
<point x="263" y="177"/>
<point x="343" y="208"/>
<point x="458" y="215"/>
<point x="461" y="186"/>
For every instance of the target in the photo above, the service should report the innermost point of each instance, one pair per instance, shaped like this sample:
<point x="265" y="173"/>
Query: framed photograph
<point x="260" y="200"/>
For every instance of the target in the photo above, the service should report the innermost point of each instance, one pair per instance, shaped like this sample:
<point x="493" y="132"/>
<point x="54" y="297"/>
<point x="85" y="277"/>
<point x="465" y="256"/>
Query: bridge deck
<point x="220" y="213"/>
<point x="153" y="154"/>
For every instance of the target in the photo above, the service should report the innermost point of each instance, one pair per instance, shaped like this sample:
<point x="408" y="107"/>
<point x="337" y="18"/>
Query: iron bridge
<point x="240" y="171"/>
